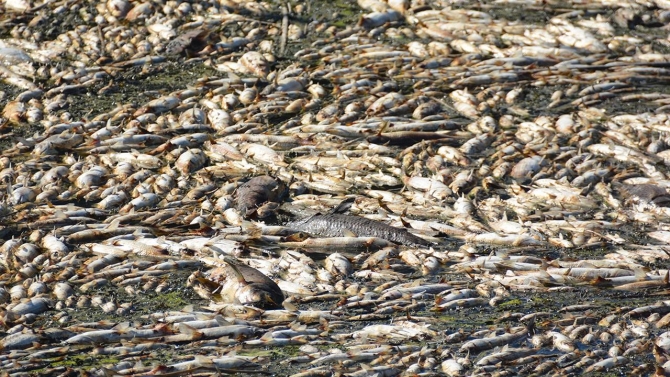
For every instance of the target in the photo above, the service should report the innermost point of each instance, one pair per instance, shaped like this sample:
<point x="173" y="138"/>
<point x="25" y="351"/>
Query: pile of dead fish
<point x="430" y="190"/>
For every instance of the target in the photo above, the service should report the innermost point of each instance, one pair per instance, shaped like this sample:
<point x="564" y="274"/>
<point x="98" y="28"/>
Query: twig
<point x="284" y="29"/>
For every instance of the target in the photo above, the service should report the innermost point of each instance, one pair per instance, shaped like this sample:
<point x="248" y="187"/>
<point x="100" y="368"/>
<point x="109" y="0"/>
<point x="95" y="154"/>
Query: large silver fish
<point x="340" y="225"/>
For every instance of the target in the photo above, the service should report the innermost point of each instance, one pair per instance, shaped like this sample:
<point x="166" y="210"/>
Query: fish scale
<point x="337" y="225"/>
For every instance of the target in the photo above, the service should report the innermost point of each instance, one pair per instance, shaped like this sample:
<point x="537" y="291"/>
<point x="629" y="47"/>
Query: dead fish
<point x="248" y="286"/>
<point x="646" y="192"/>
<point x="339" y="225"/>
<point x="193" y="41"/>
<point x="257" y="192"/>
<point x="19" y="341"/>
<point x="406" y="138"/>
<point x="478" y="345"/>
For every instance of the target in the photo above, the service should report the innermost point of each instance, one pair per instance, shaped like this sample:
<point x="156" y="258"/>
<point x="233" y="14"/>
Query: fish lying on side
<point x="247" y="286"/>
<point x="335" y="224"/>
<point x="258" y="197"/>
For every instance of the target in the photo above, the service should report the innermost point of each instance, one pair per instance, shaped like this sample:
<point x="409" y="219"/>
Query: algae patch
<point x="345" y="14"/>
<point x="342" y="13"/>
<point x="510" y="303"/>
<point x="137" y="85"/>
<point x="170" y="300"/>
<point x="175" y="297"/>
<point x="84" y="361"/>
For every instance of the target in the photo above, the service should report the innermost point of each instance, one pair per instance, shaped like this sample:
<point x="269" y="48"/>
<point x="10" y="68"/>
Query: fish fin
<point x="204" y="317"/>
<point x="344" y="205"/>
<point x="251" y="229"/>
<point x="108" y="372"/>
<point x="203" y="360"/>
<point x="232" y="262"/>
<point x="383" y="126"/>
<point x="267" y="336"/>
<point x="216" y="251"/>
<point x="290" y="306"/>
<point x="59" y="214"/>
<point x="349" y="233"/>
<point x="600" y="281"/>
<point x="234" y="79"/>
<point x="505" y="265"/>
<point x="113" y="225"/>
<point x="186" y="329"/>
<point x="188" y="309"/>
<point x="122" y="327"/>
<point x="208" y="283"/>
<point x="544" y="265"/>
<point x="298" y="326"/>
<point x="502" y="254"/>
<point x="222" y="321"/>
<point x="640" y="274"/>
<point x="324" y="323"/>
<point x="383" y="206"/>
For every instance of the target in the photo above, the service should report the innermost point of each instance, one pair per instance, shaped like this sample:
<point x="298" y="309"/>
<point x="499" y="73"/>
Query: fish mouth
<point x="258" y="295"/>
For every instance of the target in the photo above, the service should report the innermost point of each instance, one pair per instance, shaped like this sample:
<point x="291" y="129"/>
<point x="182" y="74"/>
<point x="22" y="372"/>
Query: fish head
<point x="259" y="296"/>
<point x="221" y="274"/>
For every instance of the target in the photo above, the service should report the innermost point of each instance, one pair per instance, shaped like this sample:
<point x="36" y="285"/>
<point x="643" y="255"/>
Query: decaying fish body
<point x="340" y="225"/>
<point x="514" y="147"/>
<point x="241" y="284"/>
<point x="258" y="192"/>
